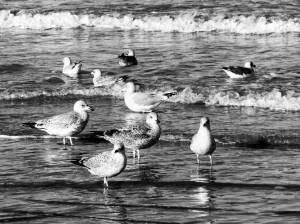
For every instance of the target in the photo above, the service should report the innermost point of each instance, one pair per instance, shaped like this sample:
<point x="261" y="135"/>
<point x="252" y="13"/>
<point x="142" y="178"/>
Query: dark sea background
<point x="180" y="45"/>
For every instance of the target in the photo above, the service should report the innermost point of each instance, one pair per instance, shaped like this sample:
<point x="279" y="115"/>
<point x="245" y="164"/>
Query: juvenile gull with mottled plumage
<point x="136" y="137"/>
<point x="105" y="80"/>
<point x="67" y="124"/>
<point x="105" y="164"/>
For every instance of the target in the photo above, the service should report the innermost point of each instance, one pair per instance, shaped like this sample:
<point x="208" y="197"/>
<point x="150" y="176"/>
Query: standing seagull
<point x="127" y="58"/>
<point x="104" y="80"/>
<point x="136" y="137"/>
<point x="143" y="102"/>
<point x="67" y="124"/>
<point x="105" y="164"/>
<point x="203" y="143"/>
<point x="70" y="69"/>
<point x="237" y="72"/>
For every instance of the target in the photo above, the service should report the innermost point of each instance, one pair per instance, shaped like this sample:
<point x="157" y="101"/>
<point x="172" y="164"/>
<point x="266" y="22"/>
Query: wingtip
<point x="30" y="124"/>
<point x="170" y="94"/>
<point x="77" y="162"/>
<point x="98" y="133"/>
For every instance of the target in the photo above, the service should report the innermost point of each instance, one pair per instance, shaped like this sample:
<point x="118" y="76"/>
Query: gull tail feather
<point x="79" y="61"/>
<point x="30" y="124"/>
<point x="78" y="162"/>
<point x="110" y="132"/>
<point x="122" y="78"/>
<point x="98" y="133"/>
<point x="170" y="94"/>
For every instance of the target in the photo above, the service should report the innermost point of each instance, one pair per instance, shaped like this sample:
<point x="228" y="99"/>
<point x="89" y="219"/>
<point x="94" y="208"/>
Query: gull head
<point x="67" y="61"/>
<point x="81" y="106"/>
<point x="152" y="118"/>
<point x="129" y="87"/>
<point x="129" y="52"/>
<point x="249" y="64"/>
<point x="204" y="122"/>
<point x="96" y="73"/>
<point x="118" y="147"/>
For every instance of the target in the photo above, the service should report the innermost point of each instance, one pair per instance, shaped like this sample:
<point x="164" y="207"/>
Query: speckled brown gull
<point x="137" y="137"/>
<point x="203" y="143"/>
<point x="105" y="164"/>
<point x="67" y="124"/>
<point x="105" y="80"/>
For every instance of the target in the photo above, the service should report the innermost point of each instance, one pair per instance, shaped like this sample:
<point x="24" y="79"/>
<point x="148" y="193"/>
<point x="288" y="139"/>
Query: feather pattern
<point x="104" y="80"/>
<point x="143" y="102"/>
<point x="66" y="124"/>
<point x="137" y="137"/>
<point x="105" y="164"/>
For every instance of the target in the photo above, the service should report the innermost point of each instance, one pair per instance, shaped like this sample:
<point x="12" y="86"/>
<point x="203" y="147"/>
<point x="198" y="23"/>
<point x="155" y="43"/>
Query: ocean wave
<point x="273" y="100"/>
<point x="186" y="22"/>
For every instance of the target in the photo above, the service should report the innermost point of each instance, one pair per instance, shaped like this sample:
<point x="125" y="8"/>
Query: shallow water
<point x="180" y="45"/>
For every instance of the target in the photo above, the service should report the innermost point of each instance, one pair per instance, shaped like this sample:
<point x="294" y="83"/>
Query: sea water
<point x="180" y="46"/>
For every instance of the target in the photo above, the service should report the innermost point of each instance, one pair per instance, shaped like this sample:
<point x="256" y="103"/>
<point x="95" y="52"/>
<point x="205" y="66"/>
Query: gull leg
<point x="105" y="182"/>
<point x="64" y="141"/>
<point x="210" y="160"/>
<point x="138" y="154"/>
<point x="198" y="160"/>
<point x="133" y="153"/>
<point x="147" y="111"/>
<point x="70" y="138"/>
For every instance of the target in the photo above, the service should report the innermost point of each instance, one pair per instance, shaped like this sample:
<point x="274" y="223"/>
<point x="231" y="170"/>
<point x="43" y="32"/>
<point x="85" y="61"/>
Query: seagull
<point x="105" y="164"/>
<point x="143" y="102"/>
<point x="104" y="80"/>
<point x="237" y="72"/>
<point x="67" y="124"/>
<point x="136" y="137"/>
<point x="127" y="58"/>
<point x="203" y="143"/>
<point x="70" y="69"/>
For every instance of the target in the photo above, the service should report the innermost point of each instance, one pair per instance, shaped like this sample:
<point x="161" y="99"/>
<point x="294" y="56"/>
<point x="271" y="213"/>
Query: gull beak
<point x="90" y="108"/>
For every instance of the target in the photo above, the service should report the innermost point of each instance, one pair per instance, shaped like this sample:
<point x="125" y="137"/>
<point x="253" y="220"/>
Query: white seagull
<point x="67" y="124"/>
<point x="203" y="143"/>
<point x="127" y="58"/>
<point x="105" y="164"/>
<point x="70" y="69"/>
<point x="237" y="72"/>
<point x="104" y="80"/>
<point x="136" y="137"/>
<point x="143" y="102"/>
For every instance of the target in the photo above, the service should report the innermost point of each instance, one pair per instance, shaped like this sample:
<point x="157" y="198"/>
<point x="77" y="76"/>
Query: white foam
<point x="274" y="100"/>
<point x="186" y="22"/>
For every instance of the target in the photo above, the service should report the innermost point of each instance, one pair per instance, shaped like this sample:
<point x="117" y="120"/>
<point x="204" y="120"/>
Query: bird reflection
<point x="203" y="175"/>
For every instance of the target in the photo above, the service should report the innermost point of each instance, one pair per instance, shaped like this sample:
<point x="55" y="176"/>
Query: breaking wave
<point x="273" y="100"/>
<point x="185" y="22"/>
